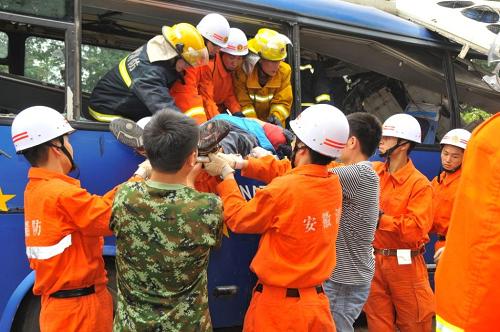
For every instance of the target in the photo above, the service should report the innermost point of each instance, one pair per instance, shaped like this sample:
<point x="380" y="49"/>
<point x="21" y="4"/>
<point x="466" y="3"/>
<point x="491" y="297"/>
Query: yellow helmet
<point x="188" y="43"/>
<point x="269" y="44"/>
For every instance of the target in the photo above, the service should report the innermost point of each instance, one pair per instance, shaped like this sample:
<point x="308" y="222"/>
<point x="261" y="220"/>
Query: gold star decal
<point x="4" y="199"/>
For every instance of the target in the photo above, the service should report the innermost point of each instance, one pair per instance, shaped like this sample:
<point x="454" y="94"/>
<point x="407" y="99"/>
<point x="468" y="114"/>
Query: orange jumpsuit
<point x="467" y="292"/>
<point x="444" y="196"/>
<point x="298" y="215"/>
<point x="400" y="294"/>
<point x="275" y="98"/>
<point x="64" y="228"/>
<point x="221" y="91"/>
<point x="188" y="96"/>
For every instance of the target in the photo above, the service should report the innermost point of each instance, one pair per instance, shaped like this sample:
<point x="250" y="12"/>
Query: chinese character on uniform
<point x="326" y="220"/>
<point x="309" y="224"/>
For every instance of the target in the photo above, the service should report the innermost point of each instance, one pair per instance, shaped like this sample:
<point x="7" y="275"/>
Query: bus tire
<point x="27" y="316"/>
<point x="28" y="313"/>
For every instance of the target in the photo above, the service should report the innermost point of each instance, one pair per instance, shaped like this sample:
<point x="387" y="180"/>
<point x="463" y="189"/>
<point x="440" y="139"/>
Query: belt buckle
<point x="386" y="252"/>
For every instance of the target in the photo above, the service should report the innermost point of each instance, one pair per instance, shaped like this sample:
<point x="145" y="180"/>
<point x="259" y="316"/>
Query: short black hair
<point x="367" y="129"/>
<point x="37" y="155"/>
<point x="169" y="138"/>
<point x="318" y="158"/>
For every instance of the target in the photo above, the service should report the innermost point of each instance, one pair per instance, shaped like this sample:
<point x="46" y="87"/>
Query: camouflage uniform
<point x="163" y="237"/>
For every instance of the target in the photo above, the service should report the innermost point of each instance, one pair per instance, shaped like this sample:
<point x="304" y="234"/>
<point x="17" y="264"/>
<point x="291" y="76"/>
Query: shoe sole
<point x="127" y="132"/>
<point x="212" y="131"/>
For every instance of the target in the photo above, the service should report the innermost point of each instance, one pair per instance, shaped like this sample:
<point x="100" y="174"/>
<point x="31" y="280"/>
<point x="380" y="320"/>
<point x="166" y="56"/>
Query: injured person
<point x="234" y="135"/>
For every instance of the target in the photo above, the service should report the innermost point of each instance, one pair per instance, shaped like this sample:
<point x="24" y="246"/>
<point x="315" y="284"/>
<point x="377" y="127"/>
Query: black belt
<point x="441" y="237"/>
<point x="67" y="293"/>
<point x="394" y="252"/>
<point x="290" y="292"/>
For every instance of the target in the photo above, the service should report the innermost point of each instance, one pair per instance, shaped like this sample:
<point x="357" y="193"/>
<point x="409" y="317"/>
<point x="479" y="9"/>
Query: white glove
<point x="144" y="169"/>
<point x="218" y="166"/>
<point x="234" y="160"/>
<point x="438" y="254"/>
<point x="259" y="152"/>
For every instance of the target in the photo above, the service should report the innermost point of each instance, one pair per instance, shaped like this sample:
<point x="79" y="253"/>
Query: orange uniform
<point x="444" y="196"/>
<point x="274" y="98"/>
<point x="221" y="91"/>
<point x="400" y="294"/>
<point x="188" y="96"/>
<point x="467" y="292"/>
<point x="64" y="228"/>
<point x="297" y="214"/>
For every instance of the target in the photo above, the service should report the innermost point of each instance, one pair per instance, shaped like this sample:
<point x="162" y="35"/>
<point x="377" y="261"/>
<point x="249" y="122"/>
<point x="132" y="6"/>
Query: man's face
<point x="270" y="68"/>
<point x="451" y="157"/>
<point x="212" y="49"/>
<point x="231" y="62"/>
<point x="386" y="143"/>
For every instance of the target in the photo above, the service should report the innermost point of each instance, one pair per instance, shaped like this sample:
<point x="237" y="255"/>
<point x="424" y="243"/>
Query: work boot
<point x="127" y="132"/>
<point x="211" y="133"/>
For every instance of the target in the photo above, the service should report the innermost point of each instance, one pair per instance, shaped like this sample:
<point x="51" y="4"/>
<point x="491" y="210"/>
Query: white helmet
<point x="402" y="126"/>
<point x="215" y="28"/>
<point x="237" y="43"/>
<point x="143" y="122"/>
<point x="37" y="125"/>
<point x="323" y="128"/>
<point x="457" y="137"/>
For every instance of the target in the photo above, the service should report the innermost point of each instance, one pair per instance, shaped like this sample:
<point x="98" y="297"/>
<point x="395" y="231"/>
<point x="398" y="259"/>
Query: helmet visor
<point x="196" y="58"/>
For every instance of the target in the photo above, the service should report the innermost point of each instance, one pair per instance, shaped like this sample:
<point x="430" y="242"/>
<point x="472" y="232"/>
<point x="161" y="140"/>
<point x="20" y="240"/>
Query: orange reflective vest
<point x="444" y="196"/>
<point x="64" y="229"/>
<point x="406" y="201"/>
<point x="274" y="98"/>
<point x="221" y="91"/>
<point x="467" y="292"/>
<point x="297" y="246"/>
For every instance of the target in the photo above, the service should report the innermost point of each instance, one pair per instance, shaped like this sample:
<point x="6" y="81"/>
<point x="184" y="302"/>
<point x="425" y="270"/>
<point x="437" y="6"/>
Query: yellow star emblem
<point x="4" y="199"/>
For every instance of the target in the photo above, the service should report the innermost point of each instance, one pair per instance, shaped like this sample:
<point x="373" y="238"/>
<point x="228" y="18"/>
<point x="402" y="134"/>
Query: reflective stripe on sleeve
<point x="102" y="117"/>
<point x="281" y="110"/>
<point x="323" y="97"/>
<point x="444" y="326"/>
<point x="249" y="111"/>
<point x="49" y="251"/>
<point x="122" y="68"/>
<point x="195" y="111"/>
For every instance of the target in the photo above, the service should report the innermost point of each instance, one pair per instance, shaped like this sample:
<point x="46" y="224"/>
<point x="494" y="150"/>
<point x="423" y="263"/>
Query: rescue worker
<point x="265" y="92"/>
<point x="349" y="284"/>
<point x="64" y="227"/>
<point x="467" y="292"/>
<point x="221" y="69"/>
<point x="400" y="295"/>
<point x="139" y="85"/>
<point x="187" y="92"/>
<point x="315" y="88"/>
<point x="297" y="247"/>
<point x="445" y="185"/>
<point x="165" y="231"/>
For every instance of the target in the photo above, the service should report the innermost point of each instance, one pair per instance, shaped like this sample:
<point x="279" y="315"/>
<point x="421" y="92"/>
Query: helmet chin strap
<point x="388" y="152"/>
<point x="66" y="152"/>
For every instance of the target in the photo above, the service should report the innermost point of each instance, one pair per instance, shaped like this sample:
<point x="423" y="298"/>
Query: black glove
<point x="274" y="120"/>
<point x="239" y="114"/>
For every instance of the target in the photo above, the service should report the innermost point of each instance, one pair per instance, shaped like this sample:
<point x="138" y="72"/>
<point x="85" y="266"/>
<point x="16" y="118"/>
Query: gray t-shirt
<point x="360" y="211"/>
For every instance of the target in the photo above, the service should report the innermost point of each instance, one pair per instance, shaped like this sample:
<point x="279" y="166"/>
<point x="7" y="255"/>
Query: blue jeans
<point x="346" y="303"/>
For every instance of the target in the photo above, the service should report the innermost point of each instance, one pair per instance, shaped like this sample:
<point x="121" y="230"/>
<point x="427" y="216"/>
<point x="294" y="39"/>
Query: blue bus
<point x="52" y="53"/>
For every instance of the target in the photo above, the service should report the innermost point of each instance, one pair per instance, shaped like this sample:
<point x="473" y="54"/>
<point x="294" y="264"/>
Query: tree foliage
<point x="45" y="61"/>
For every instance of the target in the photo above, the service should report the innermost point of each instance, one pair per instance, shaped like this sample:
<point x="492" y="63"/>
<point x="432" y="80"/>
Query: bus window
<point x="97" y="61"/>
<point x="44" y="60"/>
<point x="56" y="9"/>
